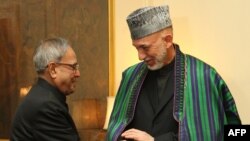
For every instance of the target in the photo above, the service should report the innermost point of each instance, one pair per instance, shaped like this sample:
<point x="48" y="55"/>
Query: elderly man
<point x="43" y="114"/>
<point x="170" y="95"/>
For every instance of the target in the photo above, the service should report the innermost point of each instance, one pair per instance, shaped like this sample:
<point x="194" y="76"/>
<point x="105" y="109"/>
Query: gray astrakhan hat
<point x="148" y="20"/>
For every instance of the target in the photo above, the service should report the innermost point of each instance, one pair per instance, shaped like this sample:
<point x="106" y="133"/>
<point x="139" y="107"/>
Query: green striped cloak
<point x="203" y="103"/>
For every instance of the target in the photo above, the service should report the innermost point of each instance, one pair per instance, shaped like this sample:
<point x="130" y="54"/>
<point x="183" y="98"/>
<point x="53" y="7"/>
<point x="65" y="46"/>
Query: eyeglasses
<point x="74" y="67"/>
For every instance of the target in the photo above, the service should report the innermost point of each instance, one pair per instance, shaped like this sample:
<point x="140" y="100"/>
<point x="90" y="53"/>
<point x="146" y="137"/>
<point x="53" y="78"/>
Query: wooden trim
<point x="111" y="48"/>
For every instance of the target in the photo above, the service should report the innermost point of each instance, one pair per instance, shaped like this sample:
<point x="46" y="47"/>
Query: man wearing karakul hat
<point x="170" y="95"/>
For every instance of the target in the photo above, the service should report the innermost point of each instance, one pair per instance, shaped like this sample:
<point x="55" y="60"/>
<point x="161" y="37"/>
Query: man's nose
<point x="77" y="73"/>
<point x="141" y="54"/>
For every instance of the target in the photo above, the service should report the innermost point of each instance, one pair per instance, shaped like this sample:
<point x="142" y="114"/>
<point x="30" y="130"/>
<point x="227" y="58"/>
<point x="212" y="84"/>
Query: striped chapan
<point x="203" y="103"/>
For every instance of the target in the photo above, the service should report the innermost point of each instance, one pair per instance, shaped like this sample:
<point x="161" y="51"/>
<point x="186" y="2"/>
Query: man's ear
<point x="52" y="70"/>
<point x="168" y="38"/>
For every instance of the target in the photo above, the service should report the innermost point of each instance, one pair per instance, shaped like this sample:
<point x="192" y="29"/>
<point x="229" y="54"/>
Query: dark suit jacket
<point x="43" y="116"/>
<point x="155" y="115"/>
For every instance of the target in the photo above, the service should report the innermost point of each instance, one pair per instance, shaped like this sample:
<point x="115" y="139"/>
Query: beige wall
<point x="217" y="32"/>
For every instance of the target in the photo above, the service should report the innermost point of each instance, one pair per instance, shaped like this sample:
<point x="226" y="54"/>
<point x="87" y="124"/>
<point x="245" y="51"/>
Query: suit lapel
<point x="148" y="93"/>
<point x="165" y="100"/>
<point x="167" y="96"/>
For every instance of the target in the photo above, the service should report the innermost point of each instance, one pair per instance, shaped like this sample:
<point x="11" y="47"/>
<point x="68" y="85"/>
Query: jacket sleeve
<point x="229" y="105"/>
<point x="54" y="123"/>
